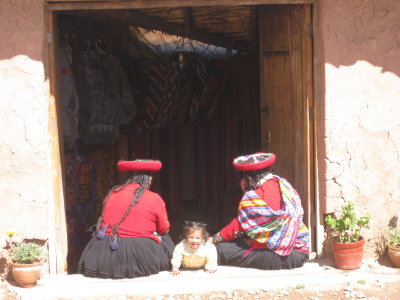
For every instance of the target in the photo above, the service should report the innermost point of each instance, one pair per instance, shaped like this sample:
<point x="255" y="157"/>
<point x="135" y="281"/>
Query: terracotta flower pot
<point x="394" y="255"/>
<point x="26" y="275"/>
<point x="348" y="256"/>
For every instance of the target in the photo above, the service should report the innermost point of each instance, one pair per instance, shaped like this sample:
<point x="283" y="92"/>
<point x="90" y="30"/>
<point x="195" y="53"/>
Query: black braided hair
<point x="140" y="177"/>
<point x="254" y="177"/>
<point x="143" y="179"/>
<point x="190" y="226"/>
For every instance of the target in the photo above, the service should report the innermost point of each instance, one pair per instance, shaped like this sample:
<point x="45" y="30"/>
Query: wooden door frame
<point x="58" y="236"/>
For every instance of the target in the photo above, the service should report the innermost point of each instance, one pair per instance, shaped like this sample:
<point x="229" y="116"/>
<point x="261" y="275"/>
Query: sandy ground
<point x="389" y="291"/>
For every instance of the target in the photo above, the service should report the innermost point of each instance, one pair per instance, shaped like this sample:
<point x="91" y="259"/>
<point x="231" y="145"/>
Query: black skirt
<point x="238" y="253"/>
<point x="135" y="257"/>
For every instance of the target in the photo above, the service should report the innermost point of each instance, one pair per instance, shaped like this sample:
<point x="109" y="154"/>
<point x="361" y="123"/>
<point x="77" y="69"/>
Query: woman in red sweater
<point x="268" y="232"/>
<point x="131" y="237"/>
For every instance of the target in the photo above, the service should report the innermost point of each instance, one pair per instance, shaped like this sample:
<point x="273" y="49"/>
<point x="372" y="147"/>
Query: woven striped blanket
<point x="281" y="231"/>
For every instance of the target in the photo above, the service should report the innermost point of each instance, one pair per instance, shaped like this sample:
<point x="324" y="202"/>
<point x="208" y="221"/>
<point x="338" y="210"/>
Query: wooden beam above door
<point x="187" y="29"/>
<point x="131" y="4"/>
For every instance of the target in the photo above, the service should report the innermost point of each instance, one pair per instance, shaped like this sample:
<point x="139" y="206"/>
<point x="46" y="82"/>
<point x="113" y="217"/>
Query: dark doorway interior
<point x="195" y="110"/>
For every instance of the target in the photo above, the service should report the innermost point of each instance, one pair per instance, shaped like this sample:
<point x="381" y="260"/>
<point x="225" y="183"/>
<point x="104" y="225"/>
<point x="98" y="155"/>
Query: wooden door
<point x="286" y="95"/>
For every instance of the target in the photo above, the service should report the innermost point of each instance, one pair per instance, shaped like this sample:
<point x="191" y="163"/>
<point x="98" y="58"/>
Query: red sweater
<point x="147" y="216"/>
<point x="270" y="193"/>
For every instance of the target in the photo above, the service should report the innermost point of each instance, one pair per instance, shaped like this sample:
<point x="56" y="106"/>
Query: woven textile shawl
<point x="280" y="231"/>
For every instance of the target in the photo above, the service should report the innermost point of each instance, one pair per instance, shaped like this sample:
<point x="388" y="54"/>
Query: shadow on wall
<point x="361" y="30"/>
<point x="23" y="29"/>
<point x="350" y="32"/>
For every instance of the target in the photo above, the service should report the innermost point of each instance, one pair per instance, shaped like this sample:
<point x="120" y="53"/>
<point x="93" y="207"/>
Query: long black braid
<point x="143" y="179"/>
<point x="254" y="177"/>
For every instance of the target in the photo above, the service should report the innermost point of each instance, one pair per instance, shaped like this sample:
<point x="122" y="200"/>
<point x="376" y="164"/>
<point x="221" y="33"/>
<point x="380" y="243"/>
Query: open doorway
<point x="193" y="106"/>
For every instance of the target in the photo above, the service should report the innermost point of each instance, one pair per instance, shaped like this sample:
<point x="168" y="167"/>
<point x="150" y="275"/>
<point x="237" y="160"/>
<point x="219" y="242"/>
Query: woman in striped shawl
<point x="268" y="232"/>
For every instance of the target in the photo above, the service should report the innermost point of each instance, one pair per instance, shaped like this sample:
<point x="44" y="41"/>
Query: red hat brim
<point x="139" y="165"/>
<point x="253" y="162"/>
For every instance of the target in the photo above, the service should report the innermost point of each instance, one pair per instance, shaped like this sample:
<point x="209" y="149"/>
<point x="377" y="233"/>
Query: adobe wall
<point x="358" y="112"/>
<point x="25" y="177"/>
<point x="358" y="83"/>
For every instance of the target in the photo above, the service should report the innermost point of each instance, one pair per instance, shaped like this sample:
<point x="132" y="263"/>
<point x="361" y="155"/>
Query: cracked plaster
<point x="362" y="121"/>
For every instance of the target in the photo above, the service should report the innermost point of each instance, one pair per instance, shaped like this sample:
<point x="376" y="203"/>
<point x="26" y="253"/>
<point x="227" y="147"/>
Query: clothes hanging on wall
<point x="211" y="75"/>
<point x="87" y="181"/>
<point x="69" y="97"/>
<point x="106" y="99"/>
<point x="182" y="88"/>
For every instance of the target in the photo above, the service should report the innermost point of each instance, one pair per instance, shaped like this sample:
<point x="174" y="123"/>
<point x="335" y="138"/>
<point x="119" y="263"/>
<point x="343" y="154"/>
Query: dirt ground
<point x="377" y="290"/>
<point x="374" y="291"/>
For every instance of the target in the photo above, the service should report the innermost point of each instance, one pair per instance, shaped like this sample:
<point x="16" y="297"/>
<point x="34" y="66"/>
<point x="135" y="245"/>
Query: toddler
<point x="194" y="252"/>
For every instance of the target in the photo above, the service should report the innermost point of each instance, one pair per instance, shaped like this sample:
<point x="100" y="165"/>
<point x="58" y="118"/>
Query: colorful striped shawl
<point x="281" y="231"/>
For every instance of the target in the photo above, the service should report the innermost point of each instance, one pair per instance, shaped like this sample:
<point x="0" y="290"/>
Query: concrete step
<point x="318" y="274"/>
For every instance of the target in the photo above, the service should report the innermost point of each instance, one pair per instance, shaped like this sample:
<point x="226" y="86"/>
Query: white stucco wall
<point x="25" y="177"/>
<point x="359" y="124"/>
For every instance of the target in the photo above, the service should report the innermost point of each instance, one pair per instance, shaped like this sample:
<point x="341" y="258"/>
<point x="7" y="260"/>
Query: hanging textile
<point x="105" y="96"/>
<point x="87" y="181"/>
<point x="182" y="88"/>
<point x="178" y="90"/>
<point x="69" y="97"/>
<point x="211" y="76"/>
<point x="156" y="73"/>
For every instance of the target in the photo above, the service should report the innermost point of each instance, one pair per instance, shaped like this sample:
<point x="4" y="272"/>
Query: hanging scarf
<point x="280" y="231"/>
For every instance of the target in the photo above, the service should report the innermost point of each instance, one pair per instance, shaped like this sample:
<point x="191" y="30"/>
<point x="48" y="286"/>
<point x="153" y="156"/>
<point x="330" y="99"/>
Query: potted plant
<point x="26" y="263"/>
<point x="346" y="241"/>
<point x="393" y="242"/>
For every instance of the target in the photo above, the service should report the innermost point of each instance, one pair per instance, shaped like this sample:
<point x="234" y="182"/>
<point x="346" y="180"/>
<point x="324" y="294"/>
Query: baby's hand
<point x="210" y="271"/>
<point x="175" y="273"/>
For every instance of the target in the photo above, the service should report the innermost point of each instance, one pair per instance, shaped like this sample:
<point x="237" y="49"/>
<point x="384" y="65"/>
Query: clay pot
<point x="26" y="275"/>
<point x="348" y="256"/>
<point x="394" y="255"/>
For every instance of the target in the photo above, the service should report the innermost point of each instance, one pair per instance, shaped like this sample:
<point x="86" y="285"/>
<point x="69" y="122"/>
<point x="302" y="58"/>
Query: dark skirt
<point x="238" y="253"/>
<point x="135" y="257"/>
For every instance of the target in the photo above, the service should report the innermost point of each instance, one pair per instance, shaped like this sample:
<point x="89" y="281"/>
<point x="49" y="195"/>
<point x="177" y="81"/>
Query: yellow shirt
<point x="205" y="256"/>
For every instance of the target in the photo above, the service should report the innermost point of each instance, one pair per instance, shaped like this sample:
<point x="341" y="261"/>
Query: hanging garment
<point x="156" y="73"/>
<point x="178" y="90"/>
<point x="86" y="183"/>
<point x="105" y="95"/>
<point x="69" y="97"/>
<point x="211" y="76"/>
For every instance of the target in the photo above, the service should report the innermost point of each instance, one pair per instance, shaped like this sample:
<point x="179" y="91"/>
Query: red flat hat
<point x="139" y="165"/>
<point x="252" y="162"/>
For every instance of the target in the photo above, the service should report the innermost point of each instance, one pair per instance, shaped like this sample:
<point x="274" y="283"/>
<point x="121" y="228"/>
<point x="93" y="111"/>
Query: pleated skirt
<point x="135" y="257"/>
<point x="238" y="253"/>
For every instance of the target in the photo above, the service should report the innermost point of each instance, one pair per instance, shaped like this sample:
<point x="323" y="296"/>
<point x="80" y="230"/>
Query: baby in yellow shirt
<point x="194" y="252"/>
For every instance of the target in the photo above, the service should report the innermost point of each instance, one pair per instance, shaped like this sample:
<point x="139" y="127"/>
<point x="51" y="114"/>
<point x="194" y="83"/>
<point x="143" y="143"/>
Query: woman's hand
<point x="210" y="240"/>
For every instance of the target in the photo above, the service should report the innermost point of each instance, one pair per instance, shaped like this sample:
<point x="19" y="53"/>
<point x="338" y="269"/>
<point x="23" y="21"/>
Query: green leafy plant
<point x="346" y="228"/>
<point x="394" y="238"/>
<point x="27" y="253"/>
<point x="393" y="233"/>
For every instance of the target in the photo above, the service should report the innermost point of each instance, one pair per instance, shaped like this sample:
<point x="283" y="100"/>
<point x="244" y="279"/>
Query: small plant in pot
<point x="393" y="242"/>
<point x="26" y="265"/>
<point x="345" y="237"/>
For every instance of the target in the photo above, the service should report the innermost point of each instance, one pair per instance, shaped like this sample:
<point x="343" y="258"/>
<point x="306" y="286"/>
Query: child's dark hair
<point x="195" y="226"/>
